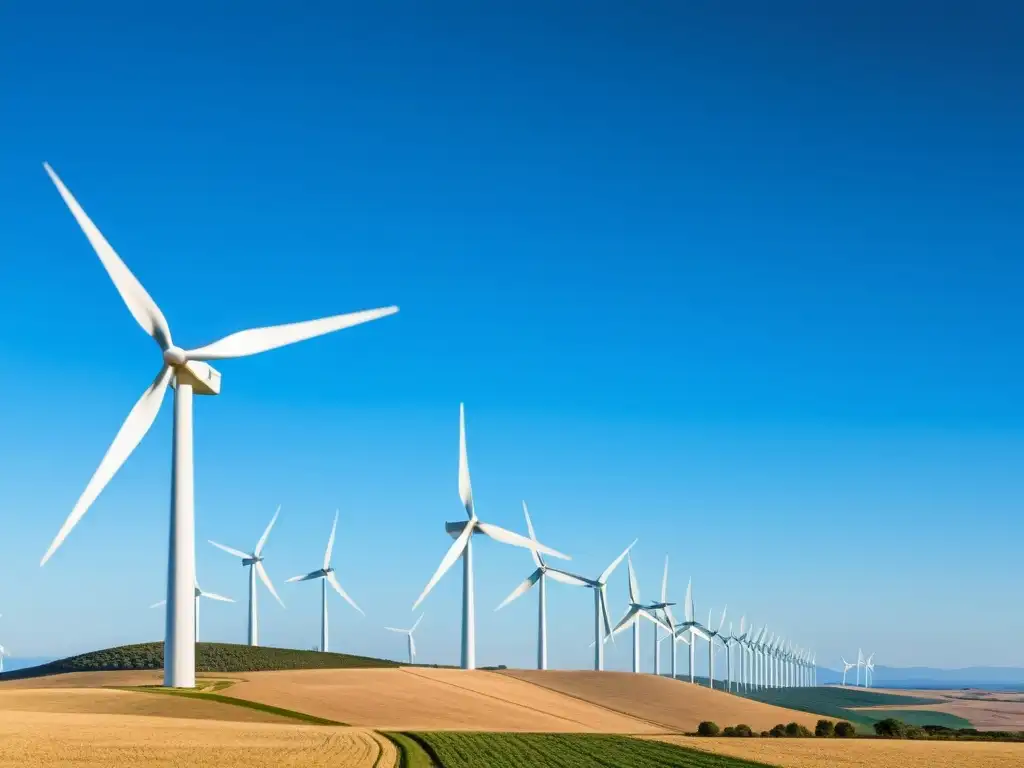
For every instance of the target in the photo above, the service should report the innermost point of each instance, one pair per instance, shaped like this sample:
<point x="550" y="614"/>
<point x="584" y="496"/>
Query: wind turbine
<point x="463" y="533"/>
<point x="198" y="593"/>
<point x="601" y="615"/>
<point x="847" y="666"/>
<point x="869" y="670"/>
<point x="191" y="374"/>
<point x="669" y="623"/>
<point x="408" y="634"/>
<point x="254" y="562"/>
<point x="539" y="577"/>
<point x="711" y="635"/>
<point x="634" y="613"/>
<point x="860" y="663"/>
<point x="690" y="626"/>
<point x="729" y="641"/>
<point x="326" y="574"/>
<point x="3" y="652"/>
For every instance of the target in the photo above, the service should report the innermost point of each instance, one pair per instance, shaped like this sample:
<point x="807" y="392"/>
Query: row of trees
<point x="825" y="729"/>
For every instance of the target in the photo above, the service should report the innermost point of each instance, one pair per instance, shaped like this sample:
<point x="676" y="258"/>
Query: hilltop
<point x="210" y="657"/>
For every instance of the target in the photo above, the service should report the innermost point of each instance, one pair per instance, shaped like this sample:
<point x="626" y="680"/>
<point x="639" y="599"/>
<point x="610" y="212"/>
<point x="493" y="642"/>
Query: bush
<point x="728" y="731"/>
<point x="765" y="734"/>
<point x="916" y="732"/>
<point x="778" y="732"/>
<point x="708" y="728"/>
<point x="792" y="730"/>
<point x="743" y="730"/>
<point x="825" y="729"/>
<point x="845" y="730"/>
<point x="891" y="728"/>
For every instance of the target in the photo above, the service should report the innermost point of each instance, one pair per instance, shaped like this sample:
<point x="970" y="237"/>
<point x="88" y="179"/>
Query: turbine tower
<point x="189" y="373"/>
<point x="408" y="634"/>
<point x="711" y="635"/>
<point x="463" y="533"/>
<point x="634" y="613"/>
<point x="539" y="577"/>
<point x="690" y="626"/>
<point x="326" y="575"/>
<point x="254" y="562"/>
<point x="668" y="622"/>
<point x="860" y="663"/>
<point x="198" y="593"/>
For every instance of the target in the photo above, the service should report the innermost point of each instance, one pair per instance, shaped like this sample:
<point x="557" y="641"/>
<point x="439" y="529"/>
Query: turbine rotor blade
<point x="634" y="588"/>
<point x="266" y="533"/>
<point x="135" y="427"/>
<point x="508" y="537"/>
<point x="392" y="629"/>
<point x="214" y="596"/>
<point x="330" y="542"/>
<point x="337" y="588"/>
<point x="631" y="616"/>
<point x="229" y="550"/>
<point x="145" y="311"/>
<point x="319" y="574"/>
<point x="606" y="614"/>
<point x="522" y="589"/>
<point x="567" y="578"/>
<point x="416" y="624"/>
<point x="157" y="605"/>
<point x="465" y="486"/>
<point x="446" y="562"/>
<point x="664" y="582"/>
<point x="537" y="559"/>
<point x="256" y="340"/>
<point x="688" y="605"/>
<point x="615" y="563"/>
<point x="262" y="573"/>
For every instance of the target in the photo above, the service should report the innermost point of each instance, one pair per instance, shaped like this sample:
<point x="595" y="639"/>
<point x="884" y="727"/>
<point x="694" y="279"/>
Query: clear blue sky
<point x="744" y="284"/>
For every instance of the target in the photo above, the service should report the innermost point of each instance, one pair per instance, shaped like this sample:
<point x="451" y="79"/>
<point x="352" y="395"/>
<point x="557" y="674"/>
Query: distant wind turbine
<point x="602" y="619"/>
<point x="712" y="634"/>
<point x="326" y="574"/>
<point x="188" y="371"/>
<point x="408" y="634"/>
<point x="847" y="666"/>
<point x="539" y="577"/>
<point x="463" y="533"/>
<point x="691" y="626"/>
<point x="634" y="613"/>
<point x="254" y="562"/>
<point x="198" y="593"/>
<point x="869" y="670"/>
<point x="860" y="663"/>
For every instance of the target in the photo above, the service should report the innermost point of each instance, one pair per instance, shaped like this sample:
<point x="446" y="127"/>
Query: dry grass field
<point x="860" y="753"/>
<point x="431" y="699"/>
<point x="670" y="703"/>
<point x="986" y="710"/>
<point x="35" y="739"/>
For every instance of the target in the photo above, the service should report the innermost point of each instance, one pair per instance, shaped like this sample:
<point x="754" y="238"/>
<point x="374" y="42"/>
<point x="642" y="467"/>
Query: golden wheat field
<point x="672" y="704"/>
<point x="31" y="739"/>
<point x="860" y="753"/>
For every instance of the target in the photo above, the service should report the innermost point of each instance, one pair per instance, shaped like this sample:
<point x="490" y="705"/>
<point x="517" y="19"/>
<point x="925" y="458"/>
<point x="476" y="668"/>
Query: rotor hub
<point x="175" y="356"/>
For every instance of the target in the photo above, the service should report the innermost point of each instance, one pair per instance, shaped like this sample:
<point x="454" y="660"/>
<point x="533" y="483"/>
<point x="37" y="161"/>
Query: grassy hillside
<point x="451" y="749"/>
<point x="210" y="657"/>
<point x="840" y="702"/>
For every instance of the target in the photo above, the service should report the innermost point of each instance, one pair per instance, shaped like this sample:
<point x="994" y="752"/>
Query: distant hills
<point x="932" y="677"/>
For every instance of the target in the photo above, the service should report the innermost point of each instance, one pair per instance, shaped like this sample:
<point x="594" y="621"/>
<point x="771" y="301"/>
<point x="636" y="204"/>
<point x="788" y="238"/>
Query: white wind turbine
<point x="634" y="613"/>
<point x="190" y="374"/>
<point x="690" y="626"/>
<point x="847" y="666"/>
<point x="408" y="634"/>
<point x="3" y="652"/>
<point x="869" y="670"/>
<point x="860" y="663"/>
<point x="540" y="577"/>
<point x="666" y="610"/>
<point x="254" y="562"/>
<point x="729" y="641"/>
<point x="601" y="615"/>
<point x="326" y="574"/>
<point x="197" y="594"/>
<point x="711" y="635"/>
<point x="463" y="533"/>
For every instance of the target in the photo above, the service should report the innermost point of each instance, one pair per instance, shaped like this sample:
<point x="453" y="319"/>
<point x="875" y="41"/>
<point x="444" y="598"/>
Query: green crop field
<point x="210" y="657"/>
<point x="559" y="750"/>
<point x="839" y="703"/>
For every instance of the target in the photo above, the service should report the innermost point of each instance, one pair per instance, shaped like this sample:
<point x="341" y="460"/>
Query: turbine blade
<point x="262" y="573"/>
<point x="567" y="578"/>
<point x="229" y="550"/>
<point x="465" y="486"/>
<point x="615" y="563"/>
<point x="135" y="427"/>
<point x="214" y="596"/>
<point x="157" y="605"/>
<point x="392" y="629"/>
<point x="537" y="559"/>
<point x="664" y="582"/>
<point x="632" y="615"/>
<point x="263" y="538"/>
<point x="634" y="588"/>
<point x="337" y="588"/>
<point x="145" y="311"/>
<point x="522" y="589"/>
<point x="416" y="624"/>
<point x="688" y="605"/>
<point x="318" y="574"/>
<point x="722" y="622"/>
<point x="330" y="542"/>
<point x="653" y="618"/>
<point x="257" y="340"/>
<point x="606" y="613"/>
<point x="670" y="617"/>
<point x="446" y="562"/>
<point x="507" y="537"/>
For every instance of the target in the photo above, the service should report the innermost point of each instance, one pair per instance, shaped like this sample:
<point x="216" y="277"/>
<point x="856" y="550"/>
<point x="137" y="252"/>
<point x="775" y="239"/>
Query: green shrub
<point x="765" y="734"/>
<point x="845" y="730"/>
<point x="891" y="728"/>
<point x="728" y="731"/>
<point x="792" y="730"/>
<point x="743" y="730"/>
<point x="825" y="729"/>
<point x="778" y="732"/>
<point x="708" y="728"/>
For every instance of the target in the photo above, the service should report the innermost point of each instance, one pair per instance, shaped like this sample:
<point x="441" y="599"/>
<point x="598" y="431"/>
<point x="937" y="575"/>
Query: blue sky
<point x="745" y="285"/>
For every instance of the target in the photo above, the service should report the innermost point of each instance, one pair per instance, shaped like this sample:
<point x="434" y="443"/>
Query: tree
<point x="792" y="730"/>
<point x="744" y="730"/>
<point x="891" y="728"/>
<point x="845" y="730"/>
<point x="728" y="731"/>
<point x="779" y="731"/>
<point x="708" y="728"/>
<point x="825" y="729"/>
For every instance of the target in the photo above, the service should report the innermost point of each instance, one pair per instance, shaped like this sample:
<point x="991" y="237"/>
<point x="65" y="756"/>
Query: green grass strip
<point x="411" y="752"/>
<point x="291" y="714"/>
